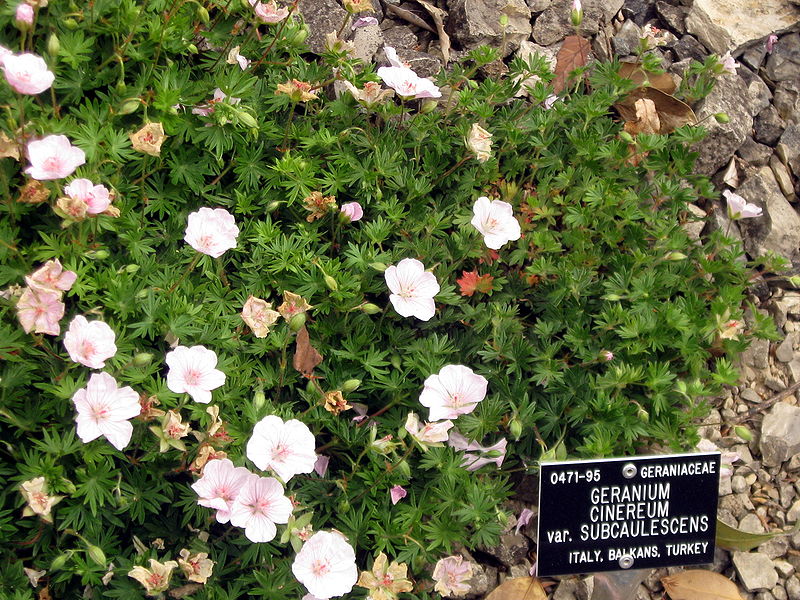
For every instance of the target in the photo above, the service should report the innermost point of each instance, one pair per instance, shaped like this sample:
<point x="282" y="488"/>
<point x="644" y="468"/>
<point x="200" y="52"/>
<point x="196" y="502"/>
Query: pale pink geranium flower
<point x="211" y="231"/>
<point x="729" y="64"/>
<point x="455" y="390"/>
<point x="287" y="448"/>
<point x="452" y="575"/>
<point x="26" y="73"/>
<point x="326" y="565"/>
<point x="220" y="486"/>
<point x="269" y="13"/>
<point x="40" y="311"/>
<point x="104" y="409"/>
<point x="352" y="210"/>
<point x="51" y="277"/>
<point x="407" y="83"/>
<point x="475" y="455"/>
<point x="259" y="316"/>
<point x="53" y="157"/>
<point x="431" y="434"/>
<point x="413" y="289"/>
<point x="397" y="493"/>
<point x="739" y="208"/>
<point x="24" y="14"/>
<point x="496" y="222"/>
<point x="193" y="370"/>
<point x="770" y="45"/>
<point x="90" y="343"/>
<point x="234" y="57"/>
<point x="259" y="505"/>
<point x="96" y="197"/>
<point x="205" y="110"/>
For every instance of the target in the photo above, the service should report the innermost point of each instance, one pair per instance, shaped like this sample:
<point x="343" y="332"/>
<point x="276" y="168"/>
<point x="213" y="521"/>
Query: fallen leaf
<point x="306" y="356"/>
<point x="44" y="593"/>
<point x="647" y="120"/>
<point x="672" y="113"/>
<point x="519" y="588"/>
<point x="438" y="15"/>
<point x="470" y="282"/>
<point x="185" y="590"/>
<point x="8" y="147"/>
<point x="731" y="175"/>
<point x="409" y="16"/>
<point x="734" y="539"/>
<point x="700" y="585"/>
<point x="573" y="55"/>
<point x="642" y="78"/>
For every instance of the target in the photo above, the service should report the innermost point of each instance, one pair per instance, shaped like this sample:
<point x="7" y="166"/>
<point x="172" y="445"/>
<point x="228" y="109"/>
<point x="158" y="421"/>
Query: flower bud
<point x="625" y="136"/>
<point x="504" y="20"/>
<point x="576" y="14"/>
<point x="60" y="560"/>
<point x="351" y="385"/>
<point x="675" y="256"/>
<point x="297" y="321"/>
<point x="515" y="428"/>
<point x="272" y="206"/>
<point x="129" y="106"/>
<point x="343" y="507"/>
<point x="142" y="359"/>
<point x="722" y="117"/>
<point x="428" y="106"/>
<point x="96" y="554"/>
<point x="743" y="432"/>
<point x="203" y="14"/>
<point x="310" y="387"/>
<point x="53" y="45"/>
<point x="259" y="399"/>
<point x="643" y="414"/>
<point x="70" y="23"/>
<point x="396" y="361"/>
<point x="97" y="254"/>
<point x="795" y="281"/>
<point x="612" y="297"/>
<point x="494" y="454"/>
<point x="370" y="309"/>
<point x="131" y="269"/>
<point x="68" y="486"/>
<point x="331" y="283"/>
<point x="192" y="49"/>
<point x="246" y="119"/>
<point x="142" y="294"/>
<point x="378" y="266"/>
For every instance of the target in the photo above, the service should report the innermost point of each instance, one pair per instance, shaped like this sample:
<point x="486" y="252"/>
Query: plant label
<point x="627" y="513"/>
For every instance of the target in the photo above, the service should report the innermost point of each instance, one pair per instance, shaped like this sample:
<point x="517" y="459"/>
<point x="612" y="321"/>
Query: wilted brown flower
<point x="298" y="91"/>
<point x="156" y="578"/>
<point x="33" y="192"/>
<point x="385" y="581"/>
<point x="39" y="502"/>
<point x="205" y="454"/>
<point x="149" y="139"/>
<point x="371" y="94"/>
<point x="149" y="413"/>
<point x="293" y="304"/>
<point x="356" y="6"/>
<point x="479" y="141"/>
<point x="71" y="208"/>
<point x="335" y="402"/>
<point x="8" y="147"/>
<point x="259" y="316"/>
<point x="196" y="567"/>
<point x="318" y="205"/>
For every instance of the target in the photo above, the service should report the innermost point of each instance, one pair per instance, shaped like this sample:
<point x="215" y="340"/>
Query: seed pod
<point x="515" y="428"/>
<point x="743" y="432"/>
<point x="428" y="106"/>
<point x="142" y="359"/>
<point x="129" y="106"/>
<point x="378" y="266"/>
<point x="246" y="119"/>
<point x="60" y="560"/>
<point x="259" y="399"/>
<point x="203" y="14"/>
<point x="722" y="117"/>
<point x="131" y="269"/>
<point x="331" y="283"/>
<point x="97" y="254"/>
<point x="351" y="385"/>
<point x="96" y="554"/>
<point x="53" y="45"/>
<point x="370" y="309"/>
<point x="296" y="322"/>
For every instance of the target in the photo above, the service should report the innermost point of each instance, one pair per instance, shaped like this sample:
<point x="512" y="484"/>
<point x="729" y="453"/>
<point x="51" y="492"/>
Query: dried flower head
<point x="196" y="567"/>
<point x="335" y="402"/>
<point x="259" y="316"/>
<point x="479" y="142"/>
<point x="297" y="91"/>
<point x="34" y="491"/>
<point x="357" y="6"/>
<point x="386" y="580"/>
<point x="318" y="205"/>
<point x="452" y="575"/>
<point x="155" y="579"/>
<point x="33" y="192"/>
<point x="149" y="139"/>
<point x="293" y="304"/>
<point x="370" y="95"/>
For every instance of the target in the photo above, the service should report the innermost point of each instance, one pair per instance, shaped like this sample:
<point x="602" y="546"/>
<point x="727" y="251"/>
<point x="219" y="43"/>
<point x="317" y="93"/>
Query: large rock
<point x="768" y="126"/>
<point x="778" y="228"/>
<point x="322" y="17"/>
<point x="755" y="571"/>
<point x="475" y="22"/>
<point x="723" y="139"/>
<point x="784" y="62"/>
<point x="780" y="434"/>
<point x="723" y="25"/>
<point x="553" y="24"/>
<point x="789" y="148"/>
<point x="786" y="100"/>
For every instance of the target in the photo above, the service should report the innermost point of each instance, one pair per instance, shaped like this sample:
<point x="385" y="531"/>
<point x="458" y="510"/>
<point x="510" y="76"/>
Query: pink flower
<point x="394" y="60"/>
<point x="259" y="505"/>
<point x="90" y="344"/>
<point x="495" y="221"/>
<point x="220" y="486"/>
<point x="407" y="83"/>
<point x="40" y="311"/>
<point x="96" y="197"/>
<point x="285" y="448"/>
<point x="397" y="493"/>
<point x="233" y="58"/>
<point x="219" y="96"/>
<point x="104" y="409"/>
<point x="352" y="210"/>
<point x="739" y="208"/>
<point x="729" y="64"/>
<point x="24" y="14"/>
<point x="430" y="434"/>
<point x="363" y="22"/>
<point x="475" y="455"/>
<point x="3" y="53"/>
<point x="523" y="519"/>
<point x="192" y="370"/>
<point x="321" y="465"/>
<point x="607" y="355"/>
<point x="269" y="12"/>
<point x="211" y="231"/>
<point x="412" y="289"/>
<point x="27" y="73"/>
<point x="455" y="390"/>
<point x="452" y="575"/>
<point x="326" y="565"/>
<point x="51" y="277"/>
<point x="53" y="157"/>
<point x="770" y="45"/>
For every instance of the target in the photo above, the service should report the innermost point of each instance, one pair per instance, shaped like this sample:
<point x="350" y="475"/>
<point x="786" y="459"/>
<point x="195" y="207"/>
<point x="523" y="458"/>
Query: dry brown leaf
<point x="640" y="77"/>
<point x="409" y="16"/>
<point x="647" y="120"/>
<point x="700" y="585"/>
<point x="438" y="15"/>
<point x="519" y="588"/>
<point x="44" y="593"/>
<point x="8" y="147"/>
<point x="672" y="113"/>
<point x="573" y="55"/>
<point x="306" y="356"/>
<point x="185" y="590"/>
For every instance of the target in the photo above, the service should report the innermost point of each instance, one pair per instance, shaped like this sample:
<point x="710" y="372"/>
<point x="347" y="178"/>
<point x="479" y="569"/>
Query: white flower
<point x="495" y="220"/>
<point x="259" y="505"/>
<point x="479" y="141"/>
<point x="407" y="83"/>
<point x="90" y="343"/>
<point x="211" y="231"/>
<point x="739" y="208"/>
<point x="192" y="370"/>
<point x="220" y="486"/>
<point x="455" y="390"/>
<point x="104" y="409"/>
<point x="326" y="565"/>
<point x="430" y="434"/>
<point x="285" y="448"/>
<point x="412" y="289"/>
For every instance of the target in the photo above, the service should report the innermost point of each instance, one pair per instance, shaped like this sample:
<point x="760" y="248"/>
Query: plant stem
<point x="188" y="270"/>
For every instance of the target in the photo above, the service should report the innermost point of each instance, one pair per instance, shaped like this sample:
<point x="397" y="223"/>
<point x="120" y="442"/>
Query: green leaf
<point x="735" y="539"/>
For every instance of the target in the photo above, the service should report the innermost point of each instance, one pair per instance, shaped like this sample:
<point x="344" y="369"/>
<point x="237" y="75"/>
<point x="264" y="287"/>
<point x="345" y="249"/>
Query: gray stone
<point x="553" y="24"/>
<point x="785" y="350"/>
<point x="754" y="56"/>
<point x="750" y="395"/>
<point x="693" y="227"/>
<point x="784" y="569"/>
<point x="627" y="39"/>
<point x="422" y="63"/>
<point x="512" y="549"/>
<point x="793" y="588"/>
<point x="788" y="149"/>
<point x="475" y="22"/>
<point x="786" y="99"/>
<point x="780" y="592"/>
<point x="567" y="589"/>
<point x="484" y="579"/>
<point x="753" y="153"/>
<point x="778" y="228"/>
<point x="367" y="40"/>
<point x="784" y="62"/>
<point x="322" y="18"/>
<point x="689" y="47"/>
<point x="738" y="505"/>
<point x="774" y="548"/>
<point x="765" y="596"/>
<point x="776" y="385"/>
<point x="638" y="11"/>
<point x="724" y="486"/>
<point x="399" y="36"/>
<point x="538" y="6"/>
<point x="722" y="139"/>
<point x="738" y="484"/>
<point x="787" y="494"/>
<point x="755" y="571"/>
<point x="725" y="26"/>
<point x="780" y="434"/>
<point x="794" y="513"/>
<point x="750" y="523"/>
<point x="673" y="16"/>
<point x="758" y="94"/>
<point x="768" y="126"/>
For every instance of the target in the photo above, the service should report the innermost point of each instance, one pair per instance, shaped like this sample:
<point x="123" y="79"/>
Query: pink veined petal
<point x="427" y="285"/>
<point x="223" y="515"/>
<point x="409" y="270"/>
<point x="213" y="379"/>
<point x="404" y="306"/>
<point x="117" y="432"/>
<point x="86" y="428"/>
<point x="199" y="395"/>
<point x="392" y="279"/>
<point x="216" y="503"/>
<point x="125" y="406"/>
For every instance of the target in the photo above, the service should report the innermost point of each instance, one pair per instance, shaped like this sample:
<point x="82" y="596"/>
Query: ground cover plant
<point x="261" y="338"/>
